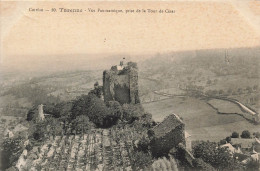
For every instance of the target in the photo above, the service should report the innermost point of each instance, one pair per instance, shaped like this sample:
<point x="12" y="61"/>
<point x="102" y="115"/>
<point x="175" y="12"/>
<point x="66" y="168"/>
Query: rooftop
<point x="167" y="125"/>
<point x="245" y="143"/>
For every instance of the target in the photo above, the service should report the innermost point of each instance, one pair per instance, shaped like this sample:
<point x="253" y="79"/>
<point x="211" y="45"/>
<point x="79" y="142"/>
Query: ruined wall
<point x="162" y="145"/>
<point x="121" y="86"/>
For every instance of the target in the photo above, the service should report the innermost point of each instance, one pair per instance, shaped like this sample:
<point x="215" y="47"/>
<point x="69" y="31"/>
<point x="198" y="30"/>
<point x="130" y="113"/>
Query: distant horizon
<point x="70" y="62"/>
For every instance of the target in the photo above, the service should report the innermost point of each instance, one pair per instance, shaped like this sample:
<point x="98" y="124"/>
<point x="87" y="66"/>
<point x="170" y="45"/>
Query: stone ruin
<point x="120" y="84"/>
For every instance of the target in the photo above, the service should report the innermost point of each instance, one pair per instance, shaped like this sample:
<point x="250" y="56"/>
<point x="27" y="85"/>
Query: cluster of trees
<point x="12" y="149"/>
<point x="88" y="111"/>
<point x="245" y="134"/>
<point x="217" y="157"/>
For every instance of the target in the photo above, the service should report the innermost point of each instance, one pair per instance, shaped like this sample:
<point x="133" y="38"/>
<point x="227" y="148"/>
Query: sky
<point x="45" y="38"/>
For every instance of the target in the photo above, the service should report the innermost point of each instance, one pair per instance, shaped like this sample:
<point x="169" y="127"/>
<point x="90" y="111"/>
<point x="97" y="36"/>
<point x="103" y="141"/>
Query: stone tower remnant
<point x="120" y="83"/>
<point x="40" y="114"/>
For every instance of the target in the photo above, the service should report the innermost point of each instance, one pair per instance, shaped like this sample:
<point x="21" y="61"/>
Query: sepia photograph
<point x="130" y="85"/>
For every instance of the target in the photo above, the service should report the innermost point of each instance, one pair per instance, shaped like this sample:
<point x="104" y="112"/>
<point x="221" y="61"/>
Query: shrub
<point x="199" y="164"/>
<point x="140" y="160"/>
<point x="235" y="135"/>
<point x="245" y="134"/>
<point x="219" y="158"/>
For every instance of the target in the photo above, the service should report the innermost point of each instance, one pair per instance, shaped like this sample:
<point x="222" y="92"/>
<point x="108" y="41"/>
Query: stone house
<point x="168" y="135"/>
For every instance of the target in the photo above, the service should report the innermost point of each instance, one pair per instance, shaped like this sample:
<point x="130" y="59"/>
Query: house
<point x="243" y="143"/>
<point x="229" y="147"/>
<point x="168" y="135"/>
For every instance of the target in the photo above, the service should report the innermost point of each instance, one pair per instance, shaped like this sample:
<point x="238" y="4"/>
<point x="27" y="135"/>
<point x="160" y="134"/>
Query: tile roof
<point x="167" y="125"/>
<point x="245" y="143"/>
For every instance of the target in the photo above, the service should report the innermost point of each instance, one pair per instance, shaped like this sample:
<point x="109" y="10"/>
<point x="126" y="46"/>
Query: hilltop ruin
<point x="120" y="83"/>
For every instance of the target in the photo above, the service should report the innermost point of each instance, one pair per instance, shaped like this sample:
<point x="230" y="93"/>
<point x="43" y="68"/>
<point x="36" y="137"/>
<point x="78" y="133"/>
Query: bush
<point x="143" y="145"/>
<point x="219" y="158"/>
<point x="140" y="160"/>
<point x="12" y="149"/>
<point x="132" y="112"/>
<point x="228" y="139"/>
<point x="235" y="135"/>
<point x="200" y="165"/>
<point x="92" y="107"/>
<point x="256" y="134"/>
<point x="245" y="134"/>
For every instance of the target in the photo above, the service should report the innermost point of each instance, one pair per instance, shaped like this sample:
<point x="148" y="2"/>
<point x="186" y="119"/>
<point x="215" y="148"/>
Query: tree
<point x="143" y="145"/>
<point x="12" y="149"/>
<point x="140" y="160"/>
<point x="132" y="65"/>
<point x="245" y="134"/>
<point x="98" y="90"/>
<point x="235" y="135"/>
<point x="81" y="124"/>
<point x="228" y="139"/>
<point x="218" y="157"/>
<point x="200" y="165"/>
<point x="116" y="109"/>
<point x="53" y="127"/>
<point x="131" y="112"/>
<point x="256" y="134"/>
<point x="92" y="107"/>
<point x="37" y="131"/>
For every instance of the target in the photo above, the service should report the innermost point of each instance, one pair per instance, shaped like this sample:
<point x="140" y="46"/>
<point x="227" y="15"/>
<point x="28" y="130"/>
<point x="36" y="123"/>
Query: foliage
<point x="31" y="114"/>
<point x="219" y="158"/>
<point x="143" y="145"/>
<point x="38" y="131"/>
<point x="53" y="126"/>
<point x="98" y="90"/>
<point x="116" y="109"/>
<point x="245" y="134"/>
<point x="235" y="135"/>
<point x="141" y="160"/>
<point x="12" y="149"/>
<point x="228" y="139"/>
<point x="200" y="165"/>
<point x="132" y="65"/>
<point x="92" y="107"/>
<point x="256" y="134"/>
<point x="132" y="112"/>
<point x="81" y="124"/>
<point x="253" y="165"/>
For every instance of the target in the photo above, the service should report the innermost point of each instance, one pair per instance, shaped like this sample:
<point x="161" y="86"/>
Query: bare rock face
<point x="120" y="83"/>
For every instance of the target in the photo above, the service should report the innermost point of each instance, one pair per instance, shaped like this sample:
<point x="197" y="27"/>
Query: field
<point x="224" y="106"/>
<point x="201" y="120"/>
<point x="102" y="149"/>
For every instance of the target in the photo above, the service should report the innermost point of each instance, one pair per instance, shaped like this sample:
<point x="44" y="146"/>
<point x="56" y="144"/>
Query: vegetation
<point x="245" y="134"/>
<point x="219" y="158"/>
<point x="235" y="135"/>
<point x="200" y="165"/>
<point x="12" y="149"/>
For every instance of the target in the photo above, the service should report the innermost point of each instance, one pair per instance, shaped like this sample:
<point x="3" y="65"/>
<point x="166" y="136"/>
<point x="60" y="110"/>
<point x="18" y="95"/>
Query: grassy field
<point x="202" y="121"/>
<point x="224" y="106"/>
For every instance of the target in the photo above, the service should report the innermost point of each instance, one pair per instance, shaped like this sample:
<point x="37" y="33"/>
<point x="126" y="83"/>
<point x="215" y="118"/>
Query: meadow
<point x="201" y="120"/>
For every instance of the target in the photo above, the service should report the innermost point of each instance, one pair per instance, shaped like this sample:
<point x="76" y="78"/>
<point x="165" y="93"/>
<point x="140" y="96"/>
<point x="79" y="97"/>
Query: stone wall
<point x="162" y="145"/>
<point x="121" y="86"/>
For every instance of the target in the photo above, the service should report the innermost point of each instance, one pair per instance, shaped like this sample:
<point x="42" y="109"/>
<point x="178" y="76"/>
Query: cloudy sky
<point x="28" y="37"/>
